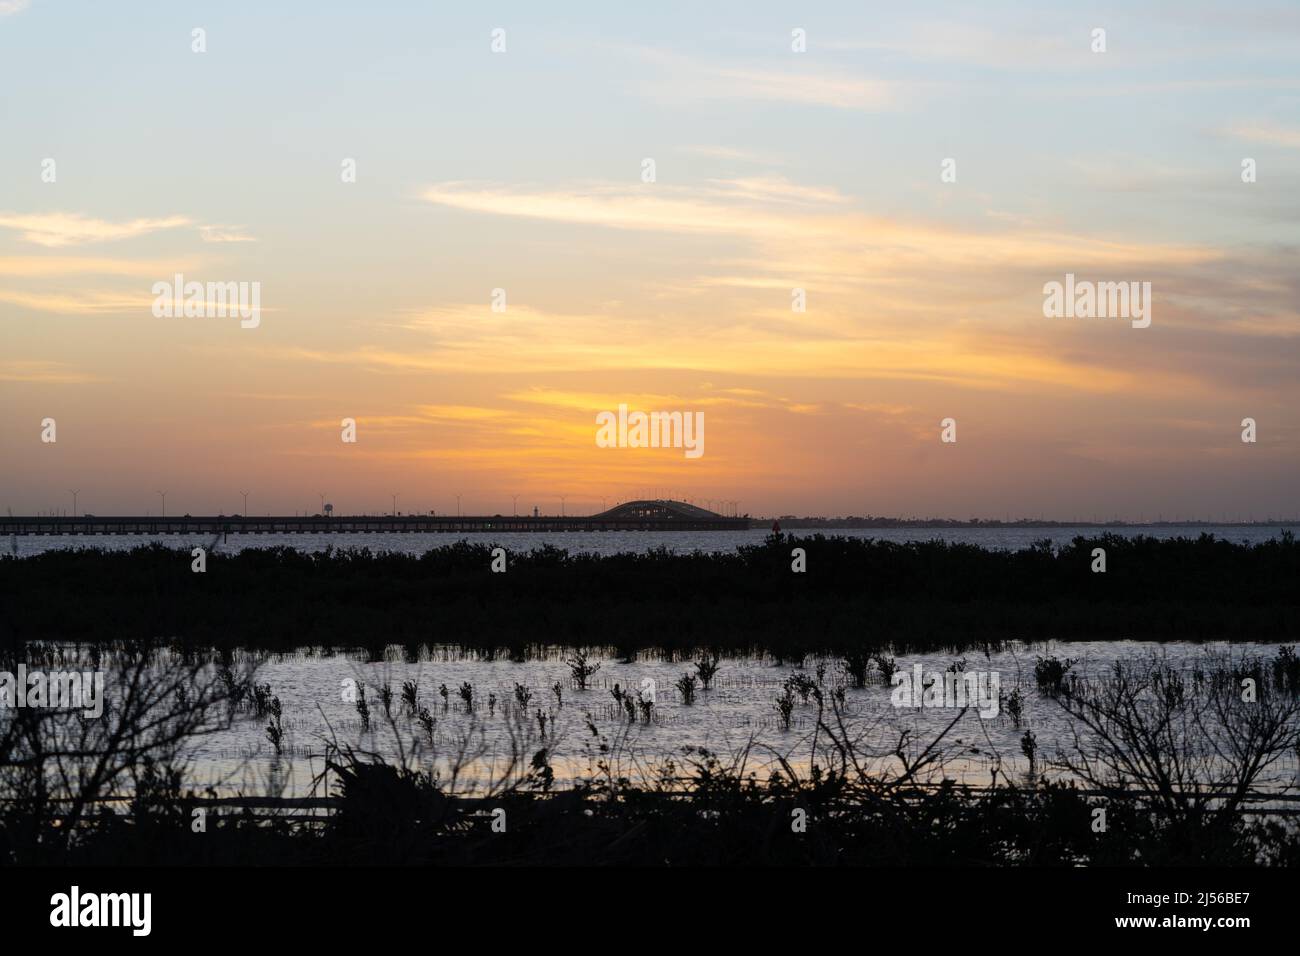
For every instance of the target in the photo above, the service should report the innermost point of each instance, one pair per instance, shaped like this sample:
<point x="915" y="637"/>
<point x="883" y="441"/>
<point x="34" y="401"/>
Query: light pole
<point x="394" y="504"/>
<point x="458" y="506"/>
<point x="515" y="506"/>
<point x="245" y="494"/>
<point x="164" y="502"/>
<point x="322" y="501"/>
<point x="74" y="503"/>
<point x="562" y="497"/>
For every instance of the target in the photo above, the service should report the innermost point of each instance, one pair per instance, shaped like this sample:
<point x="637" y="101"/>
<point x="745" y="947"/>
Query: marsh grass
<point x="706" y="668"/>
<point x="582" y="668"/>
<point x="1013" y="705"/>
<point x="785" y="705"/>
<point x="363" y="708"/>
<point x="275" y="728"/>
<point x="873" y="795"/>
<point x="426" y="722"/>
<point x="624" y="702"/>
<point x="410" y="697"/>
<point x="686" y="685"/>
<point x="887" y="667"/>
<point x="1029" y="747"/>
<point x="1051" y="672"/>
<point x="856" y="663"/>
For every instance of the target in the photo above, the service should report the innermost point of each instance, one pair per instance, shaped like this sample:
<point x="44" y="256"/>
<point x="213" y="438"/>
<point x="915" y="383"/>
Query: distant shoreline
<point x="90" y="524"/>
<point x="874" y="522"/>
<point x="783" y="594"/>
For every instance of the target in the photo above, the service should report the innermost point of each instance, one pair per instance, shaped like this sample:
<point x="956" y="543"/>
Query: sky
<point x="920" y="171"/>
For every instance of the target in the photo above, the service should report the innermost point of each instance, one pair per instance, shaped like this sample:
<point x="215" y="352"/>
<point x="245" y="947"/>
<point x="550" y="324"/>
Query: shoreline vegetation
<point x="855" y="595"/>
<point x="1169" y="777"/>
<point x="789" y="522"/>
<point x="1173" y="755"/>
<point x="756" y="522"/>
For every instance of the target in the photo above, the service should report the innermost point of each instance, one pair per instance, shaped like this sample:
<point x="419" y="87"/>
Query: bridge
<point x="656" y="515"/>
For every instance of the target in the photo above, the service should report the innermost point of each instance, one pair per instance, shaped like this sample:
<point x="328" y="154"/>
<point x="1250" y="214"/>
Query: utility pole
<point x="458" y="506"/>
<point x="394" y="504"/>
<point x="164" y="502"/>
<point x="245" y="494"/>
<point x="562" y="497"/>
<point x="74" y="503"/>
<point x="515" y="505"/>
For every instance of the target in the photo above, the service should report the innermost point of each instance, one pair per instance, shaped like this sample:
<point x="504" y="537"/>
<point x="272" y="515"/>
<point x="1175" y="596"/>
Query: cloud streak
<point x="1271" y="134"/>
<point x="57" y="229"/>
<point x="684" y="79"/>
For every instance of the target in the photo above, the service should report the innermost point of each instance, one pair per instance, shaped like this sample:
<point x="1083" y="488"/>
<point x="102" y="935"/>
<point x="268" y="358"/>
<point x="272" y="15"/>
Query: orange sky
<point x="924" y="297"/>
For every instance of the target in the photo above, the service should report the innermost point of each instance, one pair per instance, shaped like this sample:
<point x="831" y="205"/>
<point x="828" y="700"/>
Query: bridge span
<point x="662" y="515"/>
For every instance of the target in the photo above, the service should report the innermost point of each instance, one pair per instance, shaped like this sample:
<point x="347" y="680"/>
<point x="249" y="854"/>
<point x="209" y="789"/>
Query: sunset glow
<point x="774" y="171"/>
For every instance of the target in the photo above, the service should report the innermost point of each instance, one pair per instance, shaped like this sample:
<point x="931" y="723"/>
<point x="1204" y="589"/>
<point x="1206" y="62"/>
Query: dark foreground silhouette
<point x="386" y="815"/>
<point x="1173" y="762"/>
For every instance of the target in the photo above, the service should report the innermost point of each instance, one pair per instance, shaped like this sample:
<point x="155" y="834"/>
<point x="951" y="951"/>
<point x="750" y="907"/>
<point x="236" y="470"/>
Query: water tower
<point x="329" y="510"/>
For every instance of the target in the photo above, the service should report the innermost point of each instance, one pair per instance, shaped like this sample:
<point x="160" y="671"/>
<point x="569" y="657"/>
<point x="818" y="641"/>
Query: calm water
<point x="738" y="713"/>
<point x="613" y="542"/>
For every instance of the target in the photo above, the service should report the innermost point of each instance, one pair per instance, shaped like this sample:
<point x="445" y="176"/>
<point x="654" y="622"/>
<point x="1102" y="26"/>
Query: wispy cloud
<point x="733" y="154"/>
<point x="44" y="373"/>
<point x="472" y="340"/>
<point x="799" y="81"/>
<point x="224" y="234"/>
<point x="78" y="303"/>
<point x="775" y="188"/>
<point x="10" y="7"/>
<point x="66" y="229"/>
<point x="659" y="208"/>
<point x="43" y="266"/>
<point x="843" y="240"/>
<point x="1262" y="131"/>
<point x="970" y="43"/>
